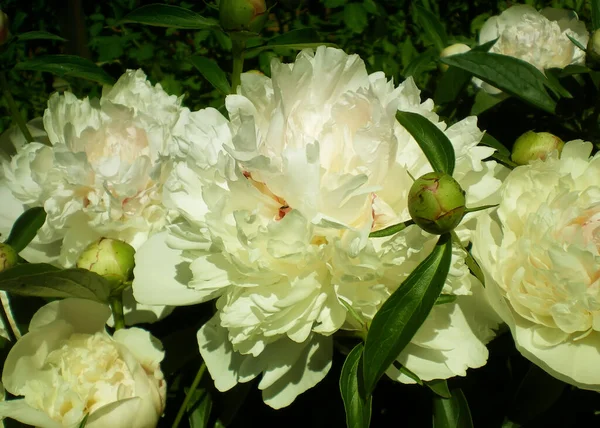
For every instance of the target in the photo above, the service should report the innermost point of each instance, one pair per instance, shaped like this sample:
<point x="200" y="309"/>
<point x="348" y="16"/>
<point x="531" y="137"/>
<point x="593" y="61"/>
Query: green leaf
<point x="162" y="15"/>
<point x="512" y="75"/>
<point x="450" y="85"/>
<point x="25" y="228"/>
<point x="402" y="369"/>
<point x="404" y="311"/>
<point x="454" y="80"/>
<point x="420" y="63"/>
<point x="38" y="35"/>
<point x="434" y="30"/>
<point x="440" y="387"/>
<point x="446" y="298"/>
<point x="488" y="140"/>
<point x="537" y="392"/>
<point x="44" y="280"/>
<point x="212" y="72"/>
<point x="552" y="82"/>
<point x="356" y="401"/>
<point x="576" y="43"/>
<point x="434" y="143"/>
<point x="391" y="230"/>
<point x="355" y="17"/>
<point x="451" y="412"/>
<point x="595" y="4"/>
<point x="485" y="101"/>
<point x="67" y="66"/>
<point x="199" y="408"/>
<point x="295" y="39"/>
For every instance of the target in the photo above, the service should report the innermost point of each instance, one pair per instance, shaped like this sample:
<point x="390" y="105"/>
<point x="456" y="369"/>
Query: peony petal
<point x="145" y="347"/>
<point x="312" y="366"/>
<point x="122" y="414"/>
<point x="86" y="316"/>
<point x="161" y="275"/>
<point x="22" y="412"/>
<point x="226" y="367"/>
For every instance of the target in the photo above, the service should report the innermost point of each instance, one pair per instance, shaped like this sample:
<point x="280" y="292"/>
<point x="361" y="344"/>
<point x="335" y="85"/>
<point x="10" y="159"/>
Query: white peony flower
<point x="102" y="172"/>
<point x="277" y="224"/>
<point x="539" y="38"/>
<point x="541" y="259"/>
<point x="67" y="367"/>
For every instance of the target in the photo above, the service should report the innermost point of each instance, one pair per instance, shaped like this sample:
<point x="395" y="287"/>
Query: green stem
<point x="14" y="110"/>
<point x="237" y="50"/>
<point x="10" y="324"/>
<point x="188" y="396"/>
<point x="116" y="304"/>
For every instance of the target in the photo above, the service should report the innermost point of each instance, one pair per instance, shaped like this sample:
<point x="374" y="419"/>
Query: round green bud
<point x="8" y="257"/>
<point x="243" y="15"/>
<point x="436" y="202"/>
<point x="535" y="145"/>
<point x="455" y="49"/>
<point x="593" y="49"/>
<point x="109" y="258"/>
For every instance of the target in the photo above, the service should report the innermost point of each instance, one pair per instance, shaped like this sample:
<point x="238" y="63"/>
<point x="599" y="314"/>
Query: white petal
<point x="161" y="275"/>
<point x="146" y="348"/>
<point x="22" y="412"/>
<point x="86" y="316"/>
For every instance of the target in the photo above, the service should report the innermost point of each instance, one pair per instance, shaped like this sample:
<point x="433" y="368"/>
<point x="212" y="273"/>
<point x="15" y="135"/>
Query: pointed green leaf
<point x="84" y="421"/>
<point x="356" y="401"/>
<point x="44" y="280"/>
<point x="433" y="142"/>
<point x="25" y="228"/>
<point x="421" y="63"/>
<point x="595" y="4"/>
<point x="446" y="298"/>
<point x="404" y="311"/>
<point x="537" y="393"/>
<point x="488" y="140"/>
<point x="67" y="66"/>
<point x="512" y="75"/>
<point x="162" y="15"/>
<point x="451" y="412"/>
<point x="432" y="26"/>
<point x="391" y="230"/>
<point x="38" y="35"/>
<point x="485" y="101"/>
<point x="212" y="72"/>
<point x="199" y="408"/>
<point x="440" y="387"/>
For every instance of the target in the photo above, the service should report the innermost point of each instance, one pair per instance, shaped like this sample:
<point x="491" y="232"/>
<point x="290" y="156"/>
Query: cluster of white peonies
<point x="68" y="367"/>
<point x="276" y="210"/>
<point x="98" y="168"/>
<point x="541" y="258"/>
<point x="539" y="38"/>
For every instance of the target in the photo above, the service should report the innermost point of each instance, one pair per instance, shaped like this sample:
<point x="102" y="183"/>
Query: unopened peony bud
<point x="243" y="15"/>
<point x="535" y="145"/>
<point x="436" y="202"/>
<point x="8" y="257"/>
<point x="109" y="258"/>
<point x="454" y="49"/>
<point x="3" y="27"/>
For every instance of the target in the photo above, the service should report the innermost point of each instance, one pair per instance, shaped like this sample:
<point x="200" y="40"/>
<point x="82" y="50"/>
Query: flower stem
<point x="237" y="50"/>
<point x="10" y="324"/>
<point x="116" y="305"/>
<point x="189" y="395"/>
<point x="14" y="110"/>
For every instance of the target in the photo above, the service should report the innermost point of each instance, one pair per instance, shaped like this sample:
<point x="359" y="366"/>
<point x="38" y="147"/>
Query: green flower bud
<point x="535" y="145"/>
<point x="3" y="27"/>
<point x="8" y="257"/>
<point x="455" y="49"/>
<point x="436" y="202"/>
<point x="593" y="49"/>
<point x="109" y="258"/>
<point x="243" y="15"/>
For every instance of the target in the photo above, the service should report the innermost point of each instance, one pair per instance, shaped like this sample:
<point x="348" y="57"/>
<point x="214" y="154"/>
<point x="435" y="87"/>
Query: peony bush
<point x="292" y="217"/>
